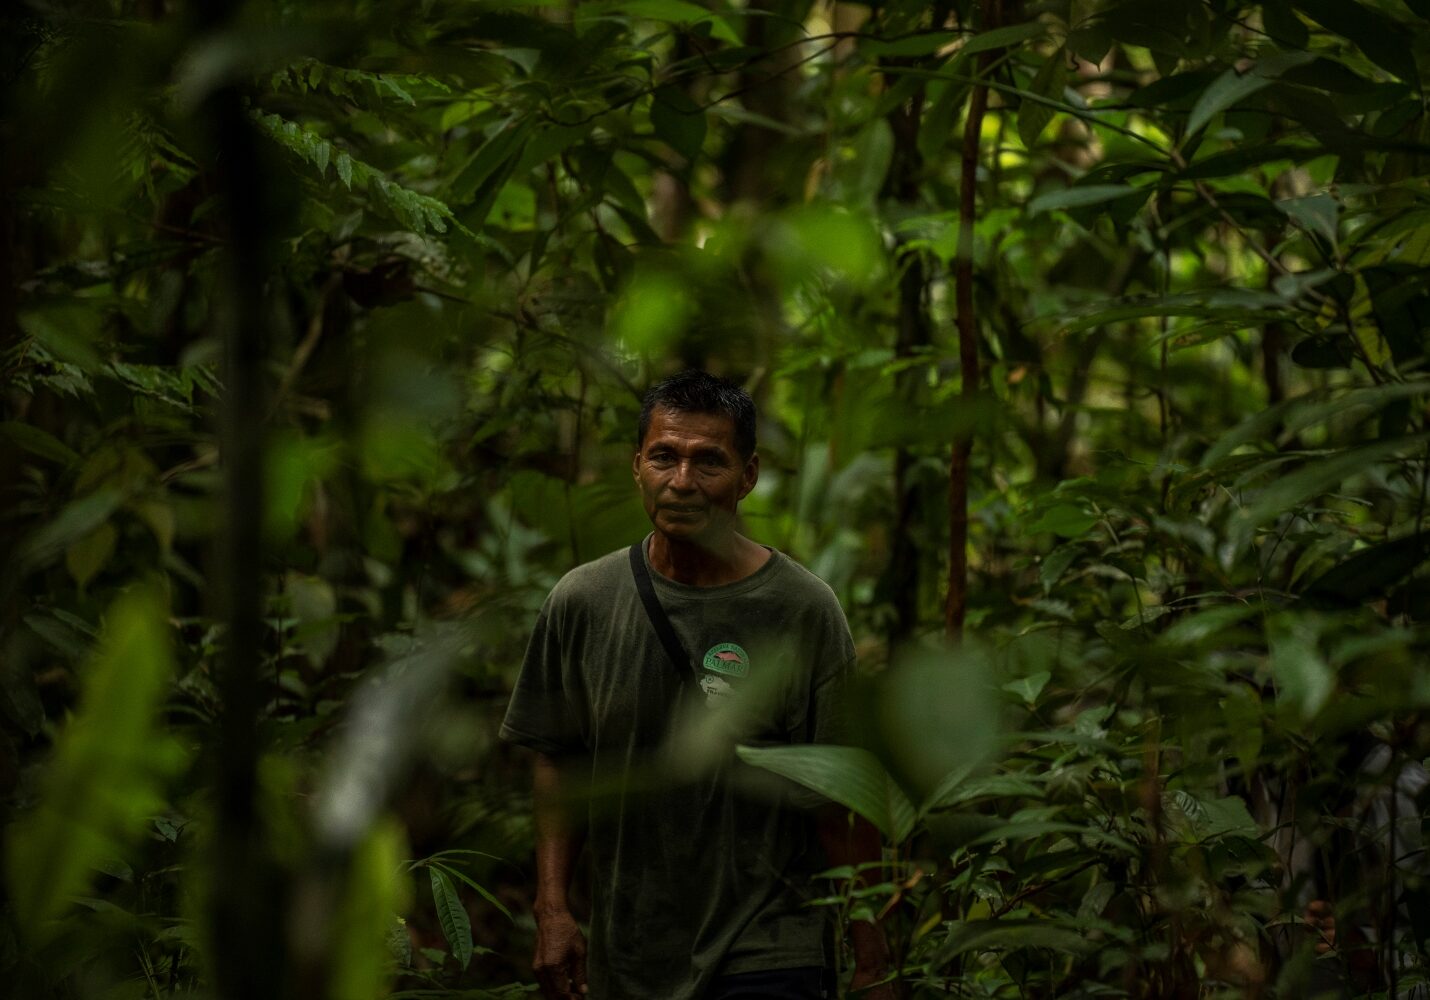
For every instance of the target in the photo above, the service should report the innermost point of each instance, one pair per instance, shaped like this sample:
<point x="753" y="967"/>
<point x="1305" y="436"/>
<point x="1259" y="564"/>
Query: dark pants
<point x="811" y="982"/>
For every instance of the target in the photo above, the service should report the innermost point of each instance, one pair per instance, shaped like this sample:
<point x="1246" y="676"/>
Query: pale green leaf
<point x="375" y="892"/>
<point x="106" y="776"/>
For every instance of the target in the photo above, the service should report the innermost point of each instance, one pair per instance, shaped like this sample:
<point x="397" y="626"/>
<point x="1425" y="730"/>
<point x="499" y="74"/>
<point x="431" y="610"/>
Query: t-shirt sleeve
<point x="541" y="713"/>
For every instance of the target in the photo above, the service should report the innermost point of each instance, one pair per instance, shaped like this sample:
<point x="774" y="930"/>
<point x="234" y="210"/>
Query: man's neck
<point x="705" y="563"/>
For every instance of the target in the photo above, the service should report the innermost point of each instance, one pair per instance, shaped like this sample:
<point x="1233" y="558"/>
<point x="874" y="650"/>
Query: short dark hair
<point x="695" y="391"/>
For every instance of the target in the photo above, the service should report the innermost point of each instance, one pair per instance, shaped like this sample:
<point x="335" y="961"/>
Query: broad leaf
<point x="847" y="775"/>
<point x="1383" y="40"/>
<point x="1076" y="197"/>
<point x="38" y="442"/>
<point x="452" y="916"/>
<point x="679" y="121"/>
<point x="998" y="38"/>
<point x="1033" y="117"/>
<point x="1234" y="86"/>
<point x="1010" y="935"/>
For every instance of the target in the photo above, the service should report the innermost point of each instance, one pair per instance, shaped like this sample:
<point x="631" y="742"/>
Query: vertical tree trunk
<point x="246" y="913"/>
<point x="913" y="333"/>
<point x="956" y="608"/>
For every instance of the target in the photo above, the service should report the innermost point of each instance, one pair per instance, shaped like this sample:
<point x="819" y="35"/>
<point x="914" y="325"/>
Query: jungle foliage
<point x="1090" y="342"/>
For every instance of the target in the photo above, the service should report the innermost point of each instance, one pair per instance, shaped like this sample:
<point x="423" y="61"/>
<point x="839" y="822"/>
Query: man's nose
<point x="683" y="477"/>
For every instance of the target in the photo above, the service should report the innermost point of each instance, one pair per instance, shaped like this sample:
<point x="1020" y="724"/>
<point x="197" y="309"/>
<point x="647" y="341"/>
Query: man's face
<point x="690" y="474"/>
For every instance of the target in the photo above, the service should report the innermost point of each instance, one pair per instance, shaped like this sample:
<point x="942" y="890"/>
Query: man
<point x="700" y="874"/>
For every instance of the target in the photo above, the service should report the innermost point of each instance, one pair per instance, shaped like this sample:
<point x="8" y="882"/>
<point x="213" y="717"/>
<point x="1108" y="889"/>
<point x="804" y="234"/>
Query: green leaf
<point x="1074" y="197"/>
<point x="1291" y="491"/>
<point x="1303" y="680"/>
<point x="1241" y="158"/>
<point x="847" y="775"/>
<point x="78" y="519"/>
<point x="1028" y="688"/>
<point x="392" y="86"/>
<point x="375" y="891"/>
<point x="456" y="926"/>
<point x="504" y="147"/>
<point x="1031" y="829"/>
<point x="1301" y="412"/>
<point x="1055" y="564"/>
<point x="679" y="12"/>
<point x="1384" y="41"/>
<point x="38" y="442"/>
<point x="476" y="887"/>
<point x="70" y="641"/>
<point x="1226" y="817"/>
<point x="90" y="554"/>
<point x="1241" y="708"/>
<point x="1009" y="935"/>
<point x="1065" y="520"/>
<point x="965" y="789"/>
<point x="1034" y="117"/>
<point x="678" y="121"/>
<point x="106" y="776"/>
<point x="1282" y="24"/>
<point x="1092" y="41"/>
<point x="999" y="38"/>
<point x="920" y="44"/>
<point x="936" y="125"/>
<point x="1369" y="573"/>
<point x="1324" y="351"/>
<point x="1234" y="86"/>
<point x="1318" y="213"/>
<point x="1230" y="304"/>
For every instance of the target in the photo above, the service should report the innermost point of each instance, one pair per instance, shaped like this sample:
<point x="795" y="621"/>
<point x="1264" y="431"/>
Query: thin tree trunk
<point x="957" y="607"/>
<point x="245" y="906"/>
<point x="902" y="576"/>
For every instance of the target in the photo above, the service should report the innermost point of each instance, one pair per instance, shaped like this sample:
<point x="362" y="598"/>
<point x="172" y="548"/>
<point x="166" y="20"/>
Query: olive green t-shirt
<point x="700" y="864"/>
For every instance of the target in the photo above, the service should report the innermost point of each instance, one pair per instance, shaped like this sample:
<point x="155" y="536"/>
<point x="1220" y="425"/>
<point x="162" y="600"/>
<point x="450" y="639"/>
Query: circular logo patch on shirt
<point x="727" y="658"/>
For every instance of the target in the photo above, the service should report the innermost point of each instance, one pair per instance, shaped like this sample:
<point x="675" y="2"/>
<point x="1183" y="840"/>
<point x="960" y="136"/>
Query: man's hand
<point x="862" y="987"/>
<point x="560" y="962"/>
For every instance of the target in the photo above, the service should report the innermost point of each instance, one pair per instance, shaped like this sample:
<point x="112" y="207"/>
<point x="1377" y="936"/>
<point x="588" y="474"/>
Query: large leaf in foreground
<point x="106" y="776"/>
<point x="848" y="775"/>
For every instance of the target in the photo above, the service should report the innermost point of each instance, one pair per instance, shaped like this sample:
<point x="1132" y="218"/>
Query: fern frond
<point x="418" y="212"/>
<point x="310" y="75"/>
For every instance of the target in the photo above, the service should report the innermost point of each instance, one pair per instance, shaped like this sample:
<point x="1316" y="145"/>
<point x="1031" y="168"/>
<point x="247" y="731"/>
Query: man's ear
<point x="636" y="466"/>
<point x="751" y="475"/>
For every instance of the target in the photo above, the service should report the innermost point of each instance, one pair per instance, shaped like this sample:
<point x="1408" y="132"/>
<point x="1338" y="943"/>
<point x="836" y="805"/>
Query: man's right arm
<point x="560" y="960"/>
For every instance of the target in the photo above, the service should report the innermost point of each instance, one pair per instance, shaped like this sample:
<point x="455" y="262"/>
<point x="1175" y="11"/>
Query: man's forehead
<point x="684" y="424"/>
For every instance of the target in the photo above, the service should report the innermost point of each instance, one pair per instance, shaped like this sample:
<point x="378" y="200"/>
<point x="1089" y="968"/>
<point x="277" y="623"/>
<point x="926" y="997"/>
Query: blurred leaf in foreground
<point x="109" y="766"/>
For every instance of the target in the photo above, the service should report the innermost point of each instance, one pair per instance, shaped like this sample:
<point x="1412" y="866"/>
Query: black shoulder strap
<point x="658" y="620"/>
